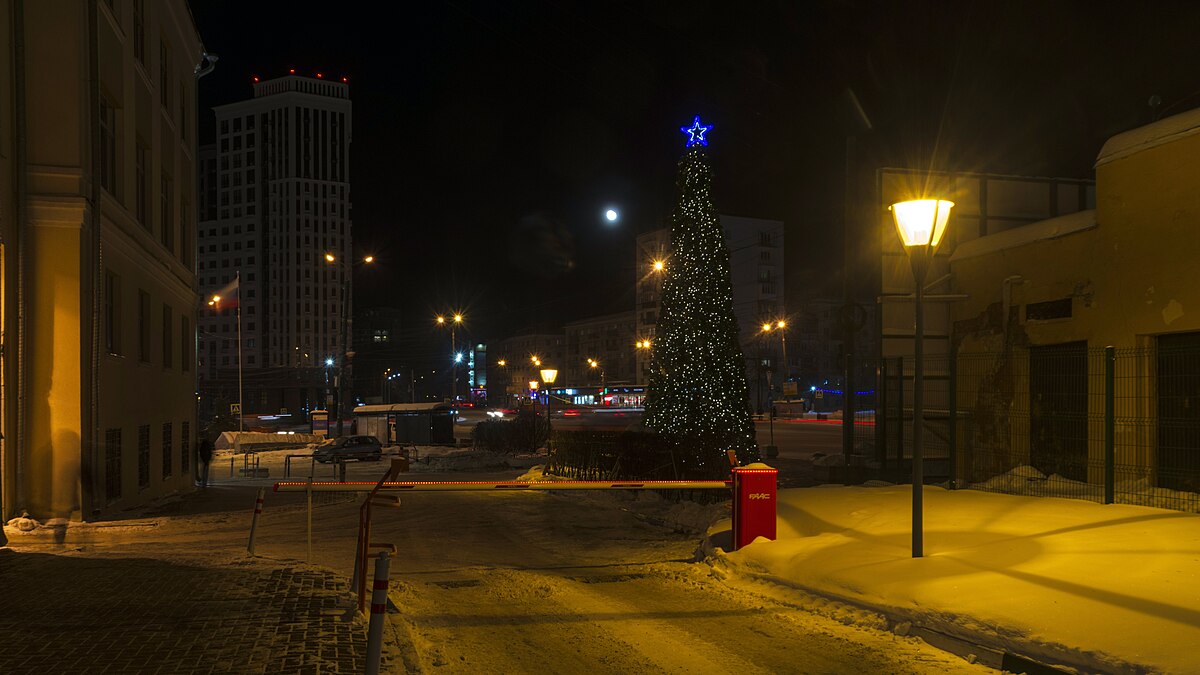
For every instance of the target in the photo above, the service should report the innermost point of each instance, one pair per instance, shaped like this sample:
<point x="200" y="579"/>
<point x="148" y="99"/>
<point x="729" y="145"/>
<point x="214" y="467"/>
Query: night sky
<point x="489" y="137"/>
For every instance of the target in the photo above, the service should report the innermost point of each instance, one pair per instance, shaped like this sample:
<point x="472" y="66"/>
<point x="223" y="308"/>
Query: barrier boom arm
<point x="443" y="486"/>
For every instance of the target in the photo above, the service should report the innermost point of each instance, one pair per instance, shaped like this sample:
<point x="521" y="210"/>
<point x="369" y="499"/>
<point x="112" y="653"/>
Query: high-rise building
<point x="97" y="198"/>
<point x="276" y="206"/>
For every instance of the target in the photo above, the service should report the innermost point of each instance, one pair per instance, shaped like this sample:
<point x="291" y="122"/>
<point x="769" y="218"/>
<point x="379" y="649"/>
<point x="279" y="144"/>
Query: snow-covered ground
<point x="1111" y="588"/>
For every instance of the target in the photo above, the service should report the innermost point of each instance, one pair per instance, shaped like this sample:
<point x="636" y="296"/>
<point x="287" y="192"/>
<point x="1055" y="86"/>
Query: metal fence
<point x="1108" y="425"/>
<point x="631" y="455"/>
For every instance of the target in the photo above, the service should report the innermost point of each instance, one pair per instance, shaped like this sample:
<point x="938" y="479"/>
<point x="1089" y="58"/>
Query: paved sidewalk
<point x="94" y="613"/>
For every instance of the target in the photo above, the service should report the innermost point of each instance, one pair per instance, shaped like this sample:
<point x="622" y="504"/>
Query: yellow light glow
<point x="369" y="259"/>
<point x="533" y="384"/>
<point x="329" y="257"/>
<point x="922" y="222"/>
<point x="502" y="362"/>
<point x="458" y="318"/>
<point x="658" y="265"/>
<point x="766" y="328"/>
<point x="441" y="320"/>
<point x="549" y="375"/>
<point x="781" y="324"/>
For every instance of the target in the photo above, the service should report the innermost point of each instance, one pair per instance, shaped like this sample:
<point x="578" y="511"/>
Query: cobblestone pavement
<point x="71" y="612"/>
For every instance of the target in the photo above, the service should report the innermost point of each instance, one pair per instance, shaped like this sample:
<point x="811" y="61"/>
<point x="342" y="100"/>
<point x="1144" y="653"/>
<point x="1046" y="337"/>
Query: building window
<point x="112" y="465"/>
<point x="185" y="345"/>
<point x="143" y="326"/>
<point x="112" y="312"/>
<point x="167" y="340"/>
<point x="108" y="147"/>
<point x="1047" y="311"/>
<point x="139" y="30"/>
<point x="166" y="450"/>
<point x="143" y="456"/>
<point x="142" y="198"/>
<point x="185" y="446"/>
<point x="168" y="226"/>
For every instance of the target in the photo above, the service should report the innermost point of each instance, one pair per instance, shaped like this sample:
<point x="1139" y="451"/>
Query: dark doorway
<point x="1179" y="411"/>
<point x="1058" y="442"/>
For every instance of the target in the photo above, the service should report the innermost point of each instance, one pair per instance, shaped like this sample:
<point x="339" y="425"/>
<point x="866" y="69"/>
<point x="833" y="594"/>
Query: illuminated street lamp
<point x="921" y="224"/>
<point x="346" y="333"/>
<point x="454" y="321"/>
<point x="549" y="375"/>
<point x="594" y="364"/>
<point x="657" y="265"/>
<point x="779" y="326"/>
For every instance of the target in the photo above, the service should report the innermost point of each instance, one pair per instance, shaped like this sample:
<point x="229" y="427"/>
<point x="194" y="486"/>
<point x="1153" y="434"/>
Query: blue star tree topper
<point x="696" y="132"/>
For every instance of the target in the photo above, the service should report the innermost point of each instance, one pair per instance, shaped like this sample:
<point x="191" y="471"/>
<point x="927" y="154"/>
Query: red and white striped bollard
<point x="379" y="600"/>
<point x="258" y="506"/>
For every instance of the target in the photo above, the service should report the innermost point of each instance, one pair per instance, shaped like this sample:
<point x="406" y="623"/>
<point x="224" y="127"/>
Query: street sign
<point x="820" y="394"/>
<point x="235" y="408"/>
<point x="320" y="422"/>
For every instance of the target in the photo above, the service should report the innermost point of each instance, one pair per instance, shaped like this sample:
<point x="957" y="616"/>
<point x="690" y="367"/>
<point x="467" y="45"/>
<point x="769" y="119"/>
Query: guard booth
<point x="398" y="423"/>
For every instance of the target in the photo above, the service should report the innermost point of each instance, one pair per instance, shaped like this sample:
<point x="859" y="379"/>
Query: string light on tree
<point x="698" y="395"/>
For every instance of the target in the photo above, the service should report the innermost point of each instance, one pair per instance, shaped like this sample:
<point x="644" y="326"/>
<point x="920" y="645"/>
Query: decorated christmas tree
<point x="698" y="397"/>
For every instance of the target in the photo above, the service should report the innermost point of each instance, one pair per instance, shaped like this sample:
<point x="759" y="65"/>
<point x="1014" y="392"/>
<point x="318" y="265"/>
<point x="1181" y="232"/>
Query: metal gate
<point x="1178" y="370"/>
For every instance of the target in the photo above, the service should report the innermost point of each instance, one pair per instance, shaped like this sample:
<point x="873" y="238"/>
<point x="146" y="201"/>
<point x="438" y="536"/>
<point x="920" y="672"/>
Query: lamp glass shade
<point x="549" y="375"/>
<point x="533" y="384"/>
<point x="922" y="222"/>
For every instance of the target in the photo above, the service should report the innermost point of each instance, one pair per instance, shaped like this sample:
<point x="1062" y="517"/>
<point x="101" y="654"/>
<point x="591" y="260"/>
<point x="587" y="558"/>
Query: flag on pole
<point x="227" y="295"/>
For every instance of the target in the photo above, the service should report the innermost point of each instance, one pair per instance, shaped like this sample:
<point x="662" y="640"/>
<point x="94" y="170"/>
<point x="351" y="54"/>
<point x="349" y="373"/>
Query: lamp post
<point x="921" y="224"/>
<point x="594" y="364"/>
<point x="778" y="326"/>
<point x="215" y="303"/>
<point x="454" y="321"/>
<point x="548" y="377"/>
<point x="644" y="344"/>
<point x="346" y="337"/>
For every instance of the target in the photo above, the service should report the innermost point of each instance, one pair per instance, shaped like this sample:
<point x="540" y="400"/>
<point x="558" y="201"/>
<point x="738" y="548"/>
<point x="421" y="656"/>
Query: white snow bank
<point x="230" y="439"/>
<point x="1108" y="587"/>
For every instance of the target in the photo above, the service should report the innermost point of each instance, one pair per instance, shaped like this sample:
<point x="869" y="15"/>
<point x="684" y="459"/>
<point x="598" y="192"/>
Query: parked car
<point x="362" y="448"/>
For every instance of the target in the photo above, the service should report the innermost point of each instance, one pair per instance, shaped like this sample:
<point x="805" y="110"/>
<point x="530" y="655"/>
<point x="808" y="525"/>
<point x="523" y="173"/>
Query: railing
<point x="1107" y="425"/>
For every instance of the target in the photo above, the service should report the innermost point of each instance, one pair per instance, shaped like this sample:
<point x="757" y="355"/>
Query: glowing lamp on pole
<point x="549" y="375"/>
<point x="920" y="224"/>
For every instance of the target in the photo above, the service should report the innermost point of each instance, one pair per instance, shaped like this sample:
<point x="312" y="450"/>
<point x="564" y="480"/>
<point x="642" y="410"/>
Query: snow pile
<point x="1026" y="480"/>
<point x="469" y="460"/>
<point x="248" y="439"/>
<point x="1105" y="587"/>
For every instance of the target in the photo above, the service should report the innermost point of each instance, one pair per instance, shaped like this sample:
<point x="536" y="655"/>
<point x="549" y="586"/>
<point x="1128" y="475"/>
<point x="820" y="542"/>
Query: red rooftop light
<point x="256" y="78"/>
<point x="318" y="76"/>
<point x="292" y="71"/>
<point x="344" y="80"/>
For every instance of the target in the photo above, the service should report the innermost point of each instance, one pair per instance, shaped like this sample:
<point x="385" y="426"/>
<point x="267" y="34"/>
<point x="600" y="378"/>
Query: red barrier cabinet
<point x="754" y="499"/>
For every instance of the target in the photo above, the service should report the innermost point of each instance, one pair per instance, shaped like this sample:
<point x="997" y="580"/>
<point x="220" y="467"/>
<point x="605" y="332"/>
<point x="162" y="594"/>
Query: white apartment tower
<point x="275" y="194"/>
